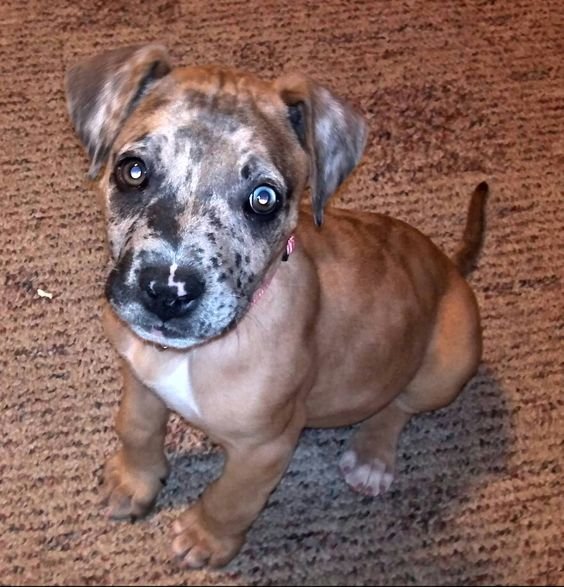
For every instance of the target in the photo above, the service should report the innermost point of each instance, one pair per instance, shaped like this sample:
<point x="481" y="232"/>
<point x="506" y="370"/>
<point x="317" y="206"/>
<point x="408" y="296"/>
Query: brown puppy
<point x="231" y="307"/>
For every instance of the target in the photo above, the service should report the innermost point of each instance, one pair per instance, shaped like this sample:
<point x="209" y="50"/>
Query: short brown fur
<point x="367" y="322"/>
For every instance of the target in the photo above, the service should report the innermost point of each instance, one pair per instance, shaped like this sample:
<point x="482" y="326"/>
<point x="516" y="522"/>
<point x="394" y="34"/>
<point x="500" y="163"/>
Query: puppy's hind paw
<point x="370" y="478"/>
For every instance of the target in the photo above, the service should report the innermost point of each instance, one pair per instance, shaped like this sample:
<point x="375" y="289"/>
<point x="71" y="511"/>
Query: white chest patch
<point x="167" y="374"/>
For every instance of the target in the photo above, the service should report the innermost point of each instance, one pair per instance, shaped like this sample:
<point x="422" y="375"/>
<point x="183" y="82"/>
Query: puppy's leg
<point x="135" y="474"/>
<point x="213" y="530"/>
<point x="368" y="465"/>
<point x="451" y="358"/>
<point x="453" y="354"/>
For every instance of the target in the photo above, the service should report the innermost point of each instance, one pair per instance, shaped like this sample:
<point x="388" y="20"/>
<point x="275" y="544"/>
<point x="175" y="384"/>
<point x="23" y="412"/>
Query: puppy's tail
<point x="473" y="237"/>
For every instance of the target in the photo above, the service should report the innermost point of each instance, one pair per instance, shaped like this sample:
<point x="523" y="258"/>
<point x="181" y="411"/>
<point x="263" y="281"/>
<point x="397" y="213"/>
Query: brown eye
<point x="131" y="173"/>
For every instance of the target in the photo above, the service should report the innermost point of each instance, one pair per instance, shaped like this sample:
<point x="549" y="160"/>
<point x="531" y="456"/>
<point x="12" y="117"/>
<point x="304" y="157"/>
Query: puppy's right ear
<point x="332" y="132"/>
<point x="104" y="90"/>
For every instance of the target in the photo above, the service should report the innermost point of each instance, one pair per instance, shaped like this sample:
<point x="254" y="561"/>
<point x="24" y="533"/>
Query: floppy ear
<point x="103" y="91"/>
<point x="331" y="131"/>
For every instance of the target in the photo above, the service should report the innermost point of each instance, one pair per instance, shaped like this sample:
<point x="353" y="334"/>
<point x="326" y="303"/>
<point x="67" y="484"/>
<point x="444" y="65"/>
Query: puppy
<point x="231" y="305"/>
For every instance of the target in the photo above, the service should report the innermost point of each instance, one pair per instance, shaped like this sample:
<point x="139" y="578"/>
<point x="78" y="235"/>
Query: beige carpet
<point x="455" y="92"/>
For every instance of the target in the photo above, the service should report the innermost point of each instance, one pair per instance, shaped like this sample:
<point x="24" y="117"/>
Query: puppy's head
<point x="201" y="171"/>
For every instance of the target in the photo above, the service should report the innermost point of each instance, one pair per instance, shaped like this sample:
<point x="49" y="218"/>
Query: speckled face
<point x="202" y="188"/>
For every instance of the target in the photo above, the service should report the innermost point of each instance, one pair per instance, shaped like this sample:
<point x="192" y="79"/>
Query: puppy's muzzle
<point x="170" y="292"/>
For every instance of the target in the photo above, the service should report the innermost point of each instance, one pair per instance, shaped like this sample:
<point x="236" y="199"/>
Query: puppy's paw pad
<point x="369" y="478"/>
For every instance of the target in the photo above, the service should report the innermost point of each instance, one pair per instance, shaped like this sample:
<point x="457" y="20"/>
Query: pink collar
<point x="290" y="248"/>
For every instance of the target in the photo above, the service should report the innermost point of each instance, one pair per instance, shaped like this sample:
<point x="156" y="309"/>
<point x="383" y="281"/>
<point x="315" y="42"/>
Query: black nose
<point x="170" y="292"/>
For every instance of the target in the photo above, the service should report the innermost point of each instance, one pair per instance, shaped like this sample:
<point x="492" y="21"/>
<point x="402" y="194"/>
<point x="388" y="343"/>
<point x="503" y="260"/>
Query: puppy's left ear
<point x="331" y="131"/>
<point x="103" y="91"/>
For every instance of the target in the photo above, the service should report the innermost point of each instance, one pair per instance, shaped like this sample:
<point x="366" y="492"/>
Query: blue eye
<point x="135" y="172"/>
<point x="263" y="200"/>
<point x="131" y="172"/>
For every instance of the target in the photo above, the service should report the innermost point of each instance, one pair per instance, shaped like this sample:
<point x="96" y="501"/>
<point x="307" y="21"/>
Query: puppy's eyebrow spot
<point x="245" y="171"/>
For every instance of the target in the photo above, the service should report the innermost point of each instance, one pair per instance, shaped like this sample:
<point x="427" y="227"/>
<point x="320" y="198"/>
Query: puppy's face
<point x="203" y="172"/>
<point x="201" y="195"/>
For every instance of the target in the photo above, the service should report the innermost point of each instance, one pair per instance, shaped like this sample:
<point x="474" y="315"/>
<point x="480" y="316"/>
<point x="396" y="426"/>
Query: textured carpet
<point x="455" y="92"/>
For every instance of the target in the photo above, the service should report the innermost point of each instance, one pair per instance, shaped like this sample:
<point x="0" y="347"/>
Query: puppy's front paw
<point x="369" y="478"/>
<point x="130" y="493"/>
<point x="195" y="545"/>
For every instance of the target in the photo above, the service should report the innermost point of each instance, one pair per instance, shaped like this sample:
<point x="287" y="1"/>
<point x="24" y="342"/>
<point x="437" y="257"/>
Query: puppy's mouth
<point x="162" y="334"/>
<point x="209" y="320"/>
<point x="165" y="336"/>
